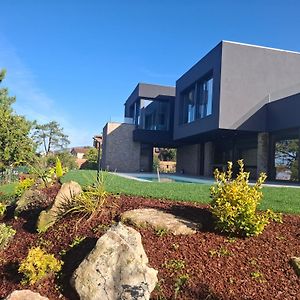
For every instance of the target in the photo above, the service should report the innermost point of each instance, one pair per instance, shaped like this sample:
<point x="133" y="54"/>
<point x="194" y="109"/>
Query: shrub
<point x="23" y="185"/>
<point x="87" y="203"/>
<point x="234" y="203"/>
<point x="7" y="199"/>
<point x="2" y="209"/>
<point x="38" y="265"/>
<point x="58" y="168"/>
<point x="6" y="234"/>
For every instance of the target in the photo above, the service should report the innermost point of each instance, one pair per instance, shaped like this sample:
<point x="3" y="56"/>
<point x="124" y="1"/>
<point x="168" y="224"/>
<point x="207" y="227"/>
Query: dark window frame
<point x="184" y="107"/>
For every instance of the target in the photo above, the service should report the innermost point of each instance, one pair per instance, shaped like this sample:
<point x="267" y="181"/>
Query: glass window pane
<point x="154" y="115"/>
<point x="286" y="159"/>
<point x="209" y="87"/>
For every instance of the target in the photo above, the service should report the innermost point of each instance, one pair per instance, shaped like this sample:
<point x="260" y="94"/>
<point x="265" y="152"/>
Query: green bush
<point x="23" y="185"/>
<point x="58" y="169"/>
<point x="7" y="199"/>
<point x="87" y="203"/>
<point x="234" y="203"/>
<point x="6" y="234"/>
<point x="38" y="265"/>
<point x="2" y="209"/>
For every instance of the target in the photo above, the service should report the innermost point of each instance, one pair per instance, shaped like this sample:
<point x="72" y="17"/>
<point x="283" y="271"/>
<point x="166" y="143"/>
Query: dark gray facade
<point x="238" y="101"/>
<point x="155" y="120"/>
<point x="245" y="79"/>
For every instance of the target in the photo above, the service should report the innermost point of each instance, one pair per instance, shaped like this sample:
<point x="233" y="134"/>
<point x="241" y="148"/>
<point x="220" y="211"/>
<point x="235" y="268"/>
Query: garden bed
<point x="211" y="265"/>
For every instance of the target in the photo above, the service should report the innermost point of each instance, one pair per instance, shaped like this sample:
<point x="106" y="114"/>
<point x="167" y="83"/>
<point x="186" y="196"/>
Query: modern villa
<point x="238" y="101"/>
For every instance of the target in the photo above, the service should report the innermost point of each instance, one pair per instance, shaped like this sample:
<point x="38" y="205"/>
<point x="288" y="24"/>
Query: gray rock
<point x="295" y="262"/>
<point x="160" y="220"/>
<point x="116" y="268"/>
<point x="65" y="194"/>
<point x="29" y="199"/>
<point x="25" y="295"/>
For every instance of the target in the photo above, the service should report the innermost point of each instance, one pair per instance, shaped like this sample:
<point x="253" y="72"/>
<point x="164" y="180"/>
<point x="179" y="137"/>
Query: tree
<point x="91" y="155"/>
<point x="50" y="136"/>
<point x="287" y="151"/>
<point x="15" y="142"/>
<point x="167" y="154"/>
<point x="66" y="158"/>
<point x="91" y="159"/>
<point x="287" y="155"/>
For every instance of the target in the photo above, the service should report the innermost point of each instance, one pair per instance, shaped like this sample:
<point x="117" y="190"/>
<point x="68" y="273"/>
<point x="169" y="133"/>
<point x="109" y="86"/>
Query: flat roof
<point x="151" y="91"/>
<point x="257" y="46"/>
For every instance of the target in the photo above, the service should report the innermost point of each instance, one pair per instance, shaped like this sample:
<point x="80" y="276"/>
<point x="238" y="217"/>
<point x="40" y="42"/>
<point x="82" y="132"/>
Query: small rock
<point x="25" y="295"/>
<point x="295" y="262"/>
<point x="117" y="268"/>
<point x="65" y="194"/>
<point x="160" y="220"/>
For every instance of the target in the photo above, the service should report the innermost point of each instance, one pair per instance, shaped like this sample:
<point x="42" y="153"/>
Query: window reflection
<point x="152" y="115"/>
<point x="197" y="101"/>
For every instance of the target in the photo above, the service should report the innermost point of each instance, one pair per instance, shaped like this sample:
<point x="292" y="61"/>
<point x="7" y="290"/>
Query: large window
<point x="197" y="100"/>
<point x="286" y="159"/>
<point x="152" y="114"/>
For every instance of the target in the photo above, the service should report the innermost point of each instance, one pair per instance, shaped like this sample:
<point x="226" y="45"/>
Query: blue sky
<point x="77" y="61"/>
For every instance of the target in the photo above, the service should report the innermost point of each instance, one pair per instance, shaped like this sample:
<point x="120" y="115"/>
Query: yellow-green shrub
<point x="6" y="235"/>
<point x="234" y="203"/>
<point x="38" y="265"/>
<point x="58" y="168"/>
<point x="23" y="185"/>
<point x="2" y="209"/>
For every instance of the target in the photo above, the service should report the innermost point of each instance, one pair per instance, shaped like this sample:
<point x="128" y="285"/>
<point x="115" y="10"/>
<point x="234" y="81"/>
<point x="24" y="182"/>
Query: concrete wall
<point x="284" y="113"/>
<point x="188" y="159"/>
<point x="119" y="152"/>
<point x="249" y="73"/>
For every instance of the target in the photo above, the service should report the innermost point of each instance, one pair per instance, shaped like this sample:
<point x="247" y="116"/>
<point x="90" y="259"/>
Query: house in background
<point x="79" y="153"/>
<point x="238" y="101"/>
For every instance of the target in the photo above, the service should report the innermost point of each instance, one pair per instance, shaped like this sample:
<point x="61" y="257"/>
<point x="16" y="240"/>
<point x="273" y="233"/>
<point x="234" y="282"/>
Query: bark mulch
<point x="206" y="265"/>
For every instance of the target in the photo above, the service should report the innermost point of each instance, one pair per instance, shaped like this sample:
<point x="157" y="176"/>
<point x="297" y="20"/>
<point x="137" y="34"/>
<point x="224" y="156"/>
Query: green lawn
<point x="8" y="189"/>
<point x="279" y="199"/>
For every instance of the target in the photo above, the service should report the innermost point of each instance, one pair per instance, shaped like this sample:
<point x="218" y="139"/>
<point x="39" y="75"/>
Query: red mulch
<point x="217" y="267"/>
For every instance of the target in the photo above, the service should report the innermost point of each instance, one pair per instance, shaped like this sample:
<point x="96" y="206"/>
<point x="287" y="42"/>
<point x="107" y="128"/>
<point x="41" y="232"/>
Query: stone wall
<point x="119" y="152"/>
<point x="188" y="159"/>
<point x="262" y="152"/>
<point x="208" y="159"/>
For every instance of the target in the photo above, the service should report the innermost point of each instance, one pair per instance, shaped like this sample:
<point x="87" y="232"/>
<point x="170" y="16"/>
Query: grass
<point x="280" y="199"/>
<point x="8" y="189"/>
<point x="116" y="184"/>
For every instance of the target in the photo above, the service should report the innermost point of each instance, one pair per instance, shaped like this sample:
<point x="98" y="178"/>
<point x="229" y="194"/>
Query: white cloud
<point x="32" y="101"/>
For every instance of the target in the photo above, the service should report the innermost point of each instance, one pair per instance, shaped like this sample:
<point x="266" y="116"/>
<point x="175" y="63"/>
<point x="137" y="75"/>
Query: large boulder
<point x="117" y="268"/>
<point x="158" y="220"/>
<point x="25" y="295"/>
<point x="67" y="191"/>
